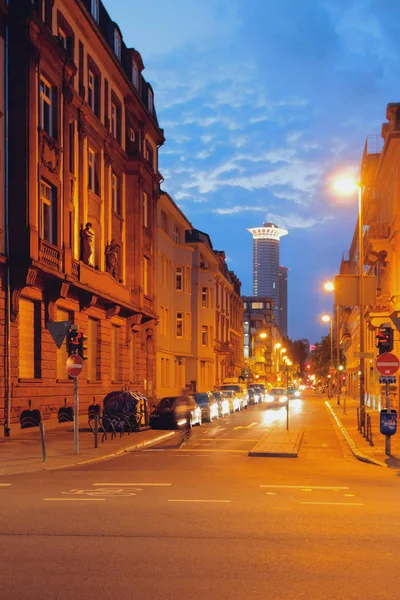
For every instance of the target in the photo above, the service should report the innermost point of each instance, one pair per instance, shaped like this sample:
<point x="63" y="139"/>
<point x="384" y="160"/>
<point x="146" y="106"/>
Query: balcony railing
<point x="50" y="255"/>
<point x="75" y="269"/>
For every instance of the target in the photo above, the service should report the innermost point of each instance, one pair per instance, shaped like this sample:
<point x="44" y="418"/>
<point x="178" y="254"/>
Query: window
<point x="63" y="38"/>
<point x="145" y="210"/>
<point x="114" y="119"/>
<point x="176" y="235"/>
<point x="204" y="297"/>
<point x="150" y="101"/>
<point x="164" y="221"/>
<point x="257" y="305"/>
<point x="93" y="175"/>
<point x="164" y="316"/>
<point x="179" y="325"/>
<point x="94" y="6"/>
<point x="92" y="90"/>
<point x="65" y="35"/>
<point x="29" y="339"/>
<point x="117" y="44"/>
<point x="48" y="213"/>
<point x="93" y="348"/>
<point x="116" y="194"/>
<point x="115" y="354"/>
<point x="145" y="276"/>
<point x="132" y="358"/>
<point x="62" y="354"/>
<point x="71" y="157"/>
<point x="149" y="154"/>
<point x="179" y="279"/>
<point x="204" y="335"/>
<point x="164" y="271"/>
<point x="135" y="75"/>
<point x="132" y="135"/>
<point x="46" y="116"/>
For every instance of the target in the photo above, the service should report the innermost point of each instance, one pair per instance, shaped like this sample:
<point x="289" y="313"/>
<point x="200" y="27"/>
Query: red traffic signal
<point x="385" y="339"/>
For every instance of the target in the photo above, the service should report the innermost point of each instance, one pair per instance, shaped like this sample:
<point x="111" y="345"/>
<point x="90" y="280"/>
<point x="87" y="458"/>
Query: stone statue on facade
<point x="111" y="252"/>
<point x="87" y="245"/>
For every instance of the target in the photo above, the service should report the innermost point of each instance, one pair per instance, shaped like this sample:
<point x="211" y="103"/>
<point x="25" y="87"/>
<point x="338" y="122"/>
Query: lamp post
<point x="329" y="287"/>
<point x="346" y="185"/>
<point x="328" y="319"/>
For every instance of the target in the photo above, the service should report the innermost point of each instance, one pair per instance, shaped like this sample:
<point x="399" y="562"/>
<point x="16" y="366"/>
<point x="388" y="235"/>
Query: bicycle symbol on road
<point x="105" y="492"/>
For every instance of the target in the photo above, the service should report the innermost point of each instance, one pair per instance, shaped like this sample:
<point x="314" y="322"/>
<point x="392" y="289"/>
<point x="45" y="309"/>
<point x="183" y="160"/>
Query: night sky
<point x="261" y="103"/>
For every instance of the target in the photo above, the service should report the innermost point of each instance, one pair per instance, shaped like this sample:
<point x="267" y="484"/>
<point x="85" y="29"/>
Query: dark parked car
<point x="163" y="416"/>
<point x="208" y="405"/>
<point x="223" y="403"/>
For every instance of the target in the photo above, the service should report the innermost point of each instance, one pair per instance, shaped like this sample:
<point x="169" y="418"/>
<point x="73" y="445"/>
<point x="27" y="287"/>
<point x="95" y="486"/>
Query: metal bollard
<point x="41" y="429"/>
<point x="358" y="420"/>
<point x="96" y="431"/>
<point x="344" y="405"/>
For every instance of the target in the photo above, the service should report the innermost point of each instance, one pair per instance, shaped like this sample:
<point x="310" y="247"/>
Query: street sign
<point x="364" y="354"/>
<point x="74" y="365"/>
<point x="396" y="322"/>
<point x="58" y="330"/>
<point x="387" y="363"/>
<point x="387" y="379"/>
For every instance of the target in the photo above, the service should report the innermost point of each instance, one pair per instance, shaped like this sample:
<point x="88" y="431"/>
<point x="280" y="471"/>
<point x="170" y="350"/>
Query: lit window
<point x="135" y="75"/>
<point x="95" y="10"/>
<point x="48" y="217"/>
<point x="179" y="279"/>
<point x="117" y="44"/>
<point x="257" y="305"/>
<point x="132" y="136"/>
<point x="46" y="108"/>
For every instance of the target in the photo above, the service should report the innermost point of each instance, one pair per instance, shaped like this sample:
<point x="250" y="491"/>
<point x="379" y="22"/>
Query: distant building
<point x="283" y="300"/>
<point x="266" y="263"/>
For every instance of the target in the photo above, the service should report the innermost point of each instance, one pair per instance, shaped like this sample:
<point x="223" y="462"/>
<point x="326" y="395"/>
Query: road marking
<point x="245" y="426"/>
<point x="134" y="484"/>
<point x="5" y="484"/>
<point x="219" y="450"/>
<point x="336" y="503"/>
<point x="307" y="487"/>
<point x="154" y="450"/>
<point x="228" y="440"/>
<point x="74" y="499"/>
<point x="216" y="501"/>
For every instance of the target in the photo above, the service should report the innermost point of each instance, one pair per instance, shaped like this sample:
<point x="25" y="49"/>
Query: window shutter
<point x="26" y="338"/>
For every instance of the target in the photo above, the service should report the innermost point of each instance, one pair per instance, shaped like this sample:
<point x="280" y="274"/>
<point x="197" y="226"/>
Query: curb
<point x="351" y="443"/>
<point x="272" y="454"/>
<point x="132" y="448"/>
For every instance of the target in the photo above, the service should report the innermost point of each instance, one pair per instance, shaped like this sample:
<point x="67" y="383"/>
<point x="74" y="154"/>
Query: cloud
<point x="234" y="210"/>
<point x="293" y="221"/>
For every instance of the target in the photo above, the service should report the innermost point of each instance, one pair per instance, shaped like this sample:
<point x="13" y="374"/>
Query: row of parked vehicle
<point x="207" y="406"/>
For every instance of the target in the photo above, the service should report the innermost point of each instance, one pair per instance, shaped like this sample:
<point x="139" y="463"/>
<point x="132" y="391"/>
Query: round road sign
<point x="387" y="363"/>
<point x="74" y="365"/>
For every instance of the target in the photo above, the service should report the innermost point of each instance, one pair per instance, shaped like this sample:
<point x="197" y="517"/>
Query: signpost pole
<point x="287" y="397"/>
<point x="387" y="437"/>
<point x="76" y="416"/>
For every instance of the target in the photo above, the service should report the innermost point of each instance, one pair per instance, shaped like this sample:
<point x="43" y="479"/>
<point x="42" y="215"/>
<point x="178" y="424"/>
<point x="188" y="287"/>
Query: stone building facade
<point x="83" y="193"/>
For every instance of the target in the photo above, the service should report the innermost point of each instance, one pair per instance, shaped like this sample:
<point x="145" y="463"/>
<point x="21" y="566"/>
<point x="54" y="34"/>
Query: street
<point x="207" y="521"/>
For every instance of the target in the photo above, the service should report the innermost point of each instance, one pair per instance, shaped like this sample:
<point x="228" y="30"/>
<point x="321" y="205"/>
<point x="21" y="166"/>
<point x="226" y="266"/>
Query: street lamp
<point x="328" y="319"/>
<point x="347" y="185"/>
<point x="330" y="287"/>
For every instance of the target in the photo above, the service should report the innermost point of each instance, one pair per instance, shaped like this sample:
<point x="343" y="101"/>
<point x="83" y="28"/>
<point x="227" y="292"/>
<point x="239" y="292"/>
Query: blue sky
<point x="261" y="102"/>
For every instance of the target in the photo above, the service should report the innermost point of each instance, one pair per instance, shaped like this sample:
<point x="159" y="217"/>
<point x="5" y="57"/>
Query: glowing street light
<point x="329" y="286"/>
<point x="328" y="319"/>
<point x="263" y="335"/>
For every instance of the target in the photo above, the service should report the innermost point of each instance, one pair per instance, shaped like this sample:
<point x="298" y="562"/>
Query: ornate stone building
<point x="83" y="189"/>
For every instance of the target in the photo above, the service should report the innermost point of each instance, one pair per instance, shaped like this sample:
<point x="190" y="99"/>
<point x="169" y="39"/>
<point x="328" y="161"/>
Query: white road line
<point x="134" y="484"/>
<point x="5" y="484"/>
<point x="307" y="487"/>
<point x="219" y="450"/>
<point x="154" y="450"/>
<point x="336" y="503"/>
<point x="228" y="440"/>
<point x="74" y="499"/>
<point x="217" y="501"/>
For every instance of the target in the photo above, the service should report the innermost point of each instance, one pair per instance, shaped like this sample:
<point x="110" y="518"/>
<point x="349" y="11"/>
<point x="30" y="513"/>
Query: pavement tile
<point x="22" y="451"/>
<point x="368" y="450"/>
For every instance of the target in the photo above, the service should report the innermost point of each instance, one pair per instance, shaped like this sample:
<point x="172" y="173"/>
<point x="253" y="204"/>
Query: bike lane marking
<point x="133" y="484"/>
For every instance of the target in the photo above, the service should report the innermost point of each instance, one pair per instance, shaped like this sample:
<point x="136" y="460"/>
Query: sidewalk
<point x="22" y="452"/>
<point x="359" y="445"/>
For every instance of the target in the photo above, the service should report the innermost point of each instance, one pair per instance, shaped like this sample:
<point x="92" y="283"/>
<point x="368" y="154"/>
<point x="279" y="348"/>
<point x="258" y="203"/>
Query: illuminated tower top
<point x="266" y="263"/>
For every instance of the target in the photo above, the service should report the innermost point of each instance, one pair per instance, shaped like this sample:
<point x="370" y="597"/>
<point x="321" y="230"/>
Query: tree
<point x="298" y="351"/>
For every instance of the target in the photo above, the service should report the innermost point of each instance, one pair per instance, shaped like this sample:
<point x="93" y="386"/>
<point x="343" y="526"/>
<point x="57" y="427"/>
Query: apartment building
<point x="84" y="184"/>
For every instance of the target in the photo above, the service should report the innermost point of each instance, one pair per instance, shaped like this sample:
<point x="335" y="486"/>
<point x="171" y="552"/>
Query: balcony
<point x="376" y="240"/>
<point x="50" y="255"/>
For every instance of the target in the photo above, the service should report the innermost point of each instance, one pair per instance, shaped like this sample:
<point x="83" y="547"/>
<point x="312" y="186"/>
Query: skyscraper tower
<point x="266" y="263"/>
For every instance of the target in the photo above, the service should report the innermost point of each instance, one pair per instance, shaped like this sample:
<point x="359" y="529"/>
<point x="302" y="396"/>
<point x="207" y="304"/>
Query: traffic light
<point x="73" y="340"/>
<point x="385" y="339"/>
<point x="81" y="346"/>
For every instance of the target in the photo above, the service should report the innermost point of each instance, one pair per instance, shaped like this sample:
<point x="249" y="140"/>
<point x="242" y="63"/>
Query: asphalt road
<point x="207" y="521"/>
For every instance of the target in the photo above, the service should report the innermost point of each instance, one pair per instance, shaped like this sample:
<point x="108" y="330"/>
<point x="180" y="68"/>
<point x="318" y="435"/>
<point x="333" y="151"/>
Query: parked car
<point x="234" y="401"/>
<point x="223" y="403"/>
<point x="277" y="396"/>
<point x="240" y="391"/>
<point x="208" y="405"/>
<point x="163" y="416"/>
<point x="255" y="395"/>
